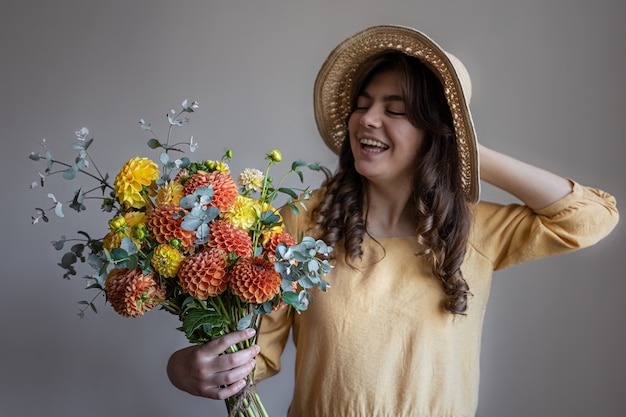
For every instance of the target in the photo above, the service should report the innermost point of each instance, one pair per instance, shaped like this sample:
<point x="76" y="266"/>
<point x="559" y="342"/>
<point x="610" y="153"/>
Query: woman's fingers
<point x="205" y="370"/>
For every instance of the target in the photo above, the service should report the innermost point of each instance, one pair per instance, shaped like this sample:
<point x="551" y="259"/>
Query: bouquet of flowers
<point x="183" y="235"/>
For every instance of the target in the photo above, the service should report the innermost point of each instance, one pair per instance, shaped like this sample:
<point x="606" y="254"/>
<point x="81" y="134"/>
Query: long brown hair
<point x="441" y="208"/>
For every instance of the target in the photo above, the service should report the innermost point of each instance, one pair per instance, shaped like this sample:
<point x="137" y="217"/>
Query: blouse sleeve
<point x="512" y="234"/>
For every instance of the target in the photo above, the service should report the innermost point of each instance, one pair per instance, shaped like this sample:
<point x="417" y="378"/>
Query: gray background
<point x="548" y="89"/>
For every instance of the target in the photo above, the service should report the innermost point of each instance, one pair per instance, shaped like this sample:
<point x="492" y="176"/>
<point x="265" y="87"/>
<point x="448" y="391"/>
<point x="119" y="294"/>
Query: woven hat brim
<point x="334" y="83"/>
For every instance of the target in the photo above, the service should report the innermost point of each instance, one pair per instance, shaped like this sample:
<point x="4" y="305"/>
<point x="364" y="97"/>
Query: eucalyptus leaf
<point x="153" y="143"/>
<point x="290" y="297"/>
<point x="70" y="173"/>
<point x="128" y="245"/>
<point x="58" y="244"/>
<point x="132" y="262"/>
<point x="202" y="232"/>
<point x="58" y="209"/>
<point x="68" y="259"/>
<point x="119" y="254"/>
<point x="94" y="261"/>
<point x="244" y="322"/>
<point x="191" y="223"/>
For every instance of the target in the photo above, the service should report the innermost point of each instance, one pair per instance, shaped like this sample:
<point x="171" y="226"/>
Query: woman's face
<point x="383" y="141"/>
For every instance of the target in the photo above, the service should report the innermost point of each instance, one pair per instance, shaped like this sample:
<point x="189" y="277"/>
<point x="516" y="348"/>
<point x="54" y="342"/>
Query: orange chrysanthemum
<point x="254" y="280"/>
<point x="225" y="189"/>
<point x="129" y="183"/>
<point x="275" y="238"/>
<point x="164" y="224"/>
<point x="228" y="238"/>
<point x="131" y="293"/>
<point x="204" y="274"/>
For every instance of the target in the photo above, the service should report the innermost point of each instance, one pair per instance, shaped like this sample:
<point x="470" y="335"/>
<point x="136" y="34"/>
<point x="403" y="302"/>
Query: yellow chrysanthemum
<point x="169" y="193"/>
<point x="125" y="226"/>
<point x="166" y="260"/>
<point x="135" y="218"/>
<point x="132" y="180"/>
<point x="243" y="213"/>
<point x="251" y="179"/>
<point x="222" y="166"/>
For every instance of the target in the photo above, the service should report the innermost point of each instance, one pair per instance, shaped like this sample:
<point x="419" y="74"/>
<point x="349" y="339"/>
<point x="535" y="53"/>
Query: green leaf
<point x="132" y="262"/>
<point x="268" y="217"/>
<point x="119" y="254"/>
<point x="58" y="244"/>
<point x="58" y="209"/>
<point x="295" y="209"/>
<point x="296" y="164"/>
<point x="70" y="173"/>
<point x="154" y="144"/>
<point x="68" y="259"/>
<point x="245" y="322"/>
<point x="197" y="318"/>
<point x="291" y="193"/>
<point x="290" y="297"/>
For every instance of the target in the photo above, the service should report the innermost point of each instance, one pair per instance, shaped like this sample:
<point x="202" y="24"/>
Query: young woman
<point x="399" y="332"/>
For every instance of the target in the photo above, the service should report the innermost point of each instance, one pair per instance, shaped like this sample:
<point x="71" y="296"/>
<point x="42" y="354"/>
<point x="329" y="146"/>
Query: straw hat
<point x="334" y="83"/>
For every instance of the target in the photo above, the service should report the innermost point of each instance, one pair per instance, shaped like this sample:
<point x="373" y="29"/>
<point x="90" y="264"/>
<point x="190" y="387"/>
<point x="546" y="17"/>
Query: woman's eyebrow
<point x="391" y="97"/>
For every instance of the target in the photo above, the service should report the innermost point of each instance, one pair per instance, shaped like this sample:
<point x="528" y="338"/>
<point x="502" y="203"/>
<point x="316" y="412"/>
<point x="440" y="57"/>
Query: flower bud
<point x="210" y="164"/>
<point x="117" y="223"/>
<point x="140" y="232"/>
<point x="228" y="154"/>
<point x="275" y="155"/>
<point x="175" y="243"/>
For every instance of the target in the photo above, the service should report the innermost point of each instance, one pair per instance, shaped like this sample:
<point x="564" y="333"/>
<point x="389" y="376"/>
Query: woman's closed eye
<point x="396" y="112"/>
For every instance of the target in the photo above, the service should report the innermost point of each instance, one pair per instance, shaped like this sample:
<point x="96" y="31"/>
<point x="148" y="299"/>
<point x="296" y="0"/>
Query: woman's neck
<point x="389" y="212"/>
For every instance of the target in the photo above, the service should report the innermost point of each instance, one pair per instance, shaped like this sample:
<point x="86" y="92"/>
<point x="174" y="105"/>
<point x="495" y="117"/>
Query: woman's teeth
<point x="373" y="143"/>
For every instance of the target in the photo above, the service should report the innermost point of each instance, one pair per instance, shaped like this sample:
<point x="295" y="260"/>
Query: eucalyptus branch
<point x="100" y="179"/>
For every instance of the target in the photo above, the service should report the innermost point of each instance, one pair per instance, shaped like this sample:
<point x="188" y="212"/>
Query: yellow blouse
<point x="378" y="343"/>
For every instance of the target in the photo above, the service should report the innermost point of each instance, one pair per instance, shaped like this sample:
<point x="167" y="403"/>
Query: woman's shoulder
<point x="298" y="215"/>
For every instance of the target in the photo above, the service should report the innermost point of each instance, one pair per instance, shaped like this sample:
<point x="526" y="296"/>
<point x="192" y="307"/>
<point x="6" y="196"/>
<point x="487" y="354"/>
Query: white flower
<point x="251" y="179"/>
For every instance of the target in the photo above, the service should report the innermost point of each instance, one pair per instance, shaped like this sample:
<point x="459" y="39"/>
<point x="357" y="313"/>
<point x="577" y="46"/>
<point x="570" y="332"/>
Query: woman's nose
<point x="371" y="118"/>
